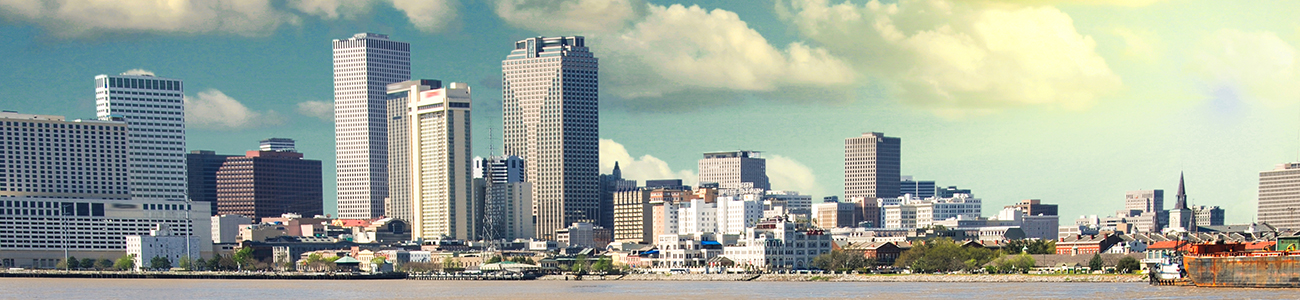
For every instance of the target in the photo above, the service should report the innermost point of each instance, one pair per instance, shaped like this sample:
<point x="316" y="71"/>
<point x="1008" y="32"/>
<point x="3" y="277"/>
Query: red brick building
<point x="264" y="184"/>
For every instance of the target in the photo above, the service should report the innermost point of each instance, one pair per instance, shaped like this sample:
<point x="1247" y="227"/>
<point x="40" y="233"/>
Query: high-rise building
<point x="1279" y="196"/>
<point x="267" y="184"/>
<point x="276" y="144"/>
<point x="951" y="191"/>
<point x="734" y="170"/>
<point x="633" y="216"/>
<point x="201" y="168"/>
<point x="51" y="157"/>
<point x="1147" y="208"/>
<point x="665" y="184"/>
<point x="398" y="203"/>
<point x="364" y="65"/>
<point x="551" y="120"/>
<point x="1208" y="215"/>
<point x="154" y="111"/>
<point x="441" y="173"/>
<point x="917" y="188"/>
<point x="609" y="184"/>
<point x="507" y="198"/>
<point x="872" y="170"/>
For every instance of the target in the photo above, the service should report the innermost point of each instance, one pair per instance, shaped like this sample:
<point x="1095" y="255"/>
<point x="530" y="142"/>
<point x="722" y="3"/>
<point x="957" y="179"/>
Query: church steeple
<point x="1182" y="194"/>
<point x="617" y="173"/>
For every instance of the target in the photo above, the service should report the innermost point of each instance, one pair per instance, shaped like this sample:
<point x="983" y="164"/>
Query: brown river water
<point x="141" y="289"/>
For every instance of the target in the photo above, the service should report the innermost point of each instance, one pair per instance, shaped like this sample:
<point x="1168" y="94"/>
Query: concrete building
<point x="949" y="192"/>
<point x="364" y="65"/>
<point x="917" y="188"/>
<point x="1279" y="196"/>
<point x="794" y="202"/>
<point x="277" y="144"/>
<point x="697" y="216"/>
<point x="734" y="170"/>
<point x="90" y="158"/>
<point x="508" y="212"/>
<point x="38" y="229"/>
<point x="201" y="168"/>
<point x="154" y="111"/>
<point x="583" y="235"/>
<point x="929" y="211"/>
<point x="610" y="184"/>
<point x="828" y="215"/>
<point x="872" y="167"/>
<point x="1208" y="215"/>
<point x="666" y="207"/>
<point x="633" y="216"/>
<point x="264" y="184"/>
<point x="1147" y="209"/>
<point x="777" y="245"/>
<point x="162" y="242"/>
<point x="398" y="203"/>
<point x="675" y="184"/>
<point x="734" y="214"/>
<point x="1036" y="219"/>
<point x="225" y="228"/>
<point x="551" y="120"/>
<point x="441" y="170"/>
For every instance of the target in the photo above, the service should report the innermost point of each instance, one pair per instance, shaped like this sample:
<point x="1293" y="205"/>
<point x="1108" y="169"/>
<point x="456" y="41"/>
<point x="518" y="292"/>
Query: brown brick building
<point x="269" y="183"/>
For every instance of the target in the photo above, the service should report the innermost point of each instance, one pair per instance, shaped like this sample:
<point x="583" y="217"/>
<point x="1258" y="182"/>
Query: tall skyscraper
<point x="441" y="180"/>
<point x="1279" y="196"/>
<point x="68" y="159"/>
<point x="364" y="65"/>
<point x="551" y="120"/>
<point x="398" y="203"/>
<point x="154" y="111"/>
<point x="734" y="170"/>
<point x="201" y="168"/>
<point x="872" y="167"/>
<point x="263" y="184"/>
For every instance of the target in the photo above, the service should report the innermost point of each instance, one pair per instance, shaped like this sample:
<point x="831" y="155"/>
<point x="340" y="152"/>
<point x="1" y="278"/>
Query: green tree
<point x="603" y="264"/>
<point x="214" y="264"/>
<point x="124" y="263"/>
<point x="838" y="260"/>
<point x="1127" y="264"/>
<point x="103" y="264"/>
<point x="1015" y="264"/>
<point x="378" y="261"/>
<point x="944" y="255"/>
<point x="1095" y="263"/>
<point x="579" y="264"/>
<point x="494" y="259"/>
<point x="186" y="263"/>
<point x="160" y="263"/>
<point x="201" y="264"/>
<point x="1035" y="246"/>
<point x="88" y="263"/>
<point x="67" y="263"/>
<point x="244" y="257"/>
<point x="449" y="265"/>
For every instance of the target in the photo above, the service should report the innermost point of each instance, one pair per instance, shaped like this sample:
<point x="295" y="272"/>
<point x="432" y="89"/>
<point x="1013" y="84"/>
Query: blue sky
<point x="1071" y="102"/>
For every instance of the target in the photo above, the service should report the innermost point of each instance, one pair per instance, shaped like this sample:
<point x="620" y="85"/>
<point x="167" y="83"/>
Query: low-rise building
<point x="162" y="243"/>
<point x="778" y="245"/>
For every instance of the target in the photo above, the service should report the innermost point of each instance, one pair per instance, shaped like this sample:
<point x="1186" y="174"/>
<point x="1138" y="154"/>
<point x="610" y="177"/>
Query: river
<point x="141" y="289"/>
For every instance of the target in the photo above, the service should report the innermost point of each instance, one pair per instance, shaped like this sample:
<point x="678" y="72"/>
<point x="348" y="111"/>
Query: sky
<point x="1071" y="102"/>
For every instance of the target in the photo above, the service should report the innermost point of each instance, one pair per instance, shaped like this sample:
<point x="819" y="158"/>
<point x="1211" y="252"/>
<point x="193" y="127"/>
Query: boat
<point x="1229" y="265"/>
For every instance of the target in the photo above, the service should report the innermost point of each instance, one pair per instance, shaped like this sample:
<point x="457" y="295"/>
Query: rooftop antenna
<point x="492" y="145"/>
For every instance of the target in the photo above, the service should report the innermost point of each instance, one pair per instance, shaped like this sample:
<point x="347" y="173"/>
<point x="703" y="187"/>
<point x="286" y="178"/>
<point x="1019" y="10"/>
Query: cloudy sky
<point x="1071" y="102"/>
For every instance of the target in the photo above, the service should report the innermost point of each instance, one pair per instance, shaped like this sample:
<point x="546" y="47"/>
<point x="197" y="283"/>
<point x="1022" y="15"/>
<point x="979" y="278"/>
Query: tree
<point x="1034" y="246"/>
<point x="1095" y="263"/>
<point x="603" y="264"/>
<point x="186" y="263"/>
<point x="88" y="263"/>
<point x="201" y="264"/>
<point x="69" y="263"/>
<point x="944" y="255"/>
<point x="214" y="264"/>
<point x="378" y="261"/>
<point x="126" y="262"/>
<point x="838" y="260"/>
<point x="580" y="264"/>
<point x="494" y="259"/>
<point x="244" y="257"/>
<point x="449" y="265"/>
<point x="1015" y="264"/>
<point x="1128" y="264"/>
<point x="160" y="263"/>
<point x="103" y="264"/>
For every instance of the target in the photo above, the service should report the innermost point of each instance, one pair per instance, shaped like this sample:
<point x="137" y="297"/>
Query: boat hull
<point x="1244" y="271"/>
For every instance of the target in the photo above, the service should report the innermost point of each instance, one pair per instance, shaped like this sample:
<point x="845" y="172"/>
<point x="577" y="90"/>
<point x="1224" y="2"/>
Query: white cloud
<point x="138" y="72"/>
<point x="332" y="9"/>
<point x="323" y="110"/>
<point x="1139" y="45"/>
<point x="956" y="56"/>
<point x="1259" y="66"/>
<point x="784" y="173"/>
<point x="570" y="16"/>
<point x="79" y="18"/>
<point x="428" y="15"/>
<point x="646" y="167"/>
<point x="212" y="109"/>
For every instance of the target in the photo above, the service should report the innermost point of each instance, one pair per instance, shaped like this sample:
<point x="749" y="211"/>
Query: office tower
<point x="1181" y="217"/>
<point x="1279" y="196"/>
<point x="154" y="111"/>
<point x="441" y="180"/>
<point x="1037" y="220"/>
<point x="609" y="184"/>
<point x="920" y="189"/>
<point x="80" y="206"/>
<point x="264" y="184"/>
<point x="364" y="65"/>
<point x="871" y="171"/>
<point x="633" y="216"/>
<point x="507" y="199"/>
<point x="1147" y="207"/>
<point x="398" y="203"/>
<point x="201" y="168"/>
<point x="276" y="144"/>
<point x="550" y="118"/>
<point x="734" y="170"/>
<point x="1208" y="215"/>
<point x="835" y="215"/>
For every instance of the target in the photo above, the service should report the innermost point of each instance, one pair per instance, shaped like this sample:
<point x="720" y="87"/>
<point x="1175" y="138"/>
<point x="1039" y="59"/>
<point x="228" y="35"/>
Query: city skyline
<point x="1158" y="91"/>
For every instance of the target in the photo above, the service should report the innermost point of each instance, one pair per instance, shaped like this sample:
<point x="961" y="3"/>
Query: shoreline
<point x="980" y="278"/>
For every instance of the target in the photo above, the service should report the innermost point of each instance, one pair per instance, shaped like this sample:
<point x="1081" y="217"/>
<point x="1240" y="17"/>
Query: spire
<point x="1182" y="194"/>
<point x="617" y="174"/>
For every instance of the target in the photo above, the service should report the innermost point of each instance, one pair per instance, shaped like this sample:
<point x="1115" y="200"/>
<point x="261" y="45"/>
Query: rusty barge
<point x="1228" y="265"/>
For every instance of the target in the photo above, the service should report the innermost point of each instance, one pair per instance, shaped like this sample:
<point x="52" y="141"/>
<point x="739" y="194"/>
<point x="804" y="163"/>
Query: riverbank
<point x="198" y="275"/>
<point x="863" y="278"/>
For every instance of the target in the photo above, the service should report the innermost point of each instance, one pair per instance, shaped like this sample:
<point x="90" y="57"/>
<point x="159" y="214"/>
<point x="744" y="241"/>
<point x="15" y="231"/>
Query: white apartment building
<point x="734" y="214"/>
<point x="225" y="228"/>
<point x="794" y="202"/>
<point x="364" y="65"/>
<point x="550" y="115"/>
<point x="734" y="169"/>
<point x="441" y="173"/>
<point x="921" y="213"/>
<point x="36" y="230"/>
<point x="776" y="245"/>
<point x="697" y="216"/>
<point x="48" y="156"/>
<point x="398" y="203"/>
<point x="154" y="111"/>
<point x="162" y="242"/>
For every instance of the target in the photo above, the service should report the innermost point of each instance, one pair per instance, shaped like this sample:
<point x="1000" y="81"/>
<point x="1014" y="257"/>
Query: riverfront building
<point x="163" y="243"/>
<point x="551" y="120"/>
<point x="364" y="65"/>
<point x="154" y="111"/>
<point x="1279" y="196"/>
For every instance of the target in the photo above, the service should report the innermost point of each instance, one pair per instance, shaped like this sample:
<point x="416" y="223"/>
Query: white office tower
<point x="154" y="111"/>
<point x="277" y="144"/>
<point x="50" y="157"/>
<point x="550" y="118"/>
<point x="508" y="211"/>
<point x="364" y="65"/>
<point x="398" y="203"/>
<point x="441" y="182"/>
<point x="734" y="170"/>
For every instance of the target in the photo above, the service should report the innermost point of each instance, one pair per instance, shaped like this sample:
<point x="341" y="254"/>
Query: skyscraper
<point x="550" y="117"/>
<point x="398" y="203"/>
<point x="610" y="183"/>
<point x="872" y="167"/>
<point x="1279" y="196"/>
<point x="441" y="186"/>
<point x="154" y="111"/>
<point x="201" y="168"/>
<point x="364" y="65"/>
<point x="507" y="197"/>
<point x="264" y="184"/>
<point x="734" y="170"/>
<point x="276" y="144"/>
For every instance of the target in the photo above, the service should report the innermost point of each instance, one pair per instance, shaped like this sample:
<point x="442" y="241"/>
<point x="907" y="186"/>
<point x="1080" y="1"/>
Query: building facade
<point x="610" y="184"/>
<point x="441" y="171"/>
<point x="872" y="168"/>
<point x="201" y="168"/>
<point x="49" y="156"/>
<point x="1279" y="196"/>
<point x="917" y="188"/>
<point x="1208" y="215"/>
<point x="633" y="216"/>
<point x="267" y="184"/>
<point x="37" y="230"/>
<point x="398" y="203"/>
<point x="154" y="111"/>
<point x="364" y="65"/>
<point x="734" y="170"/>
<point x="161" y="242"/>
<point x="551" y="120"/>
<point x="507" y="199"/>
